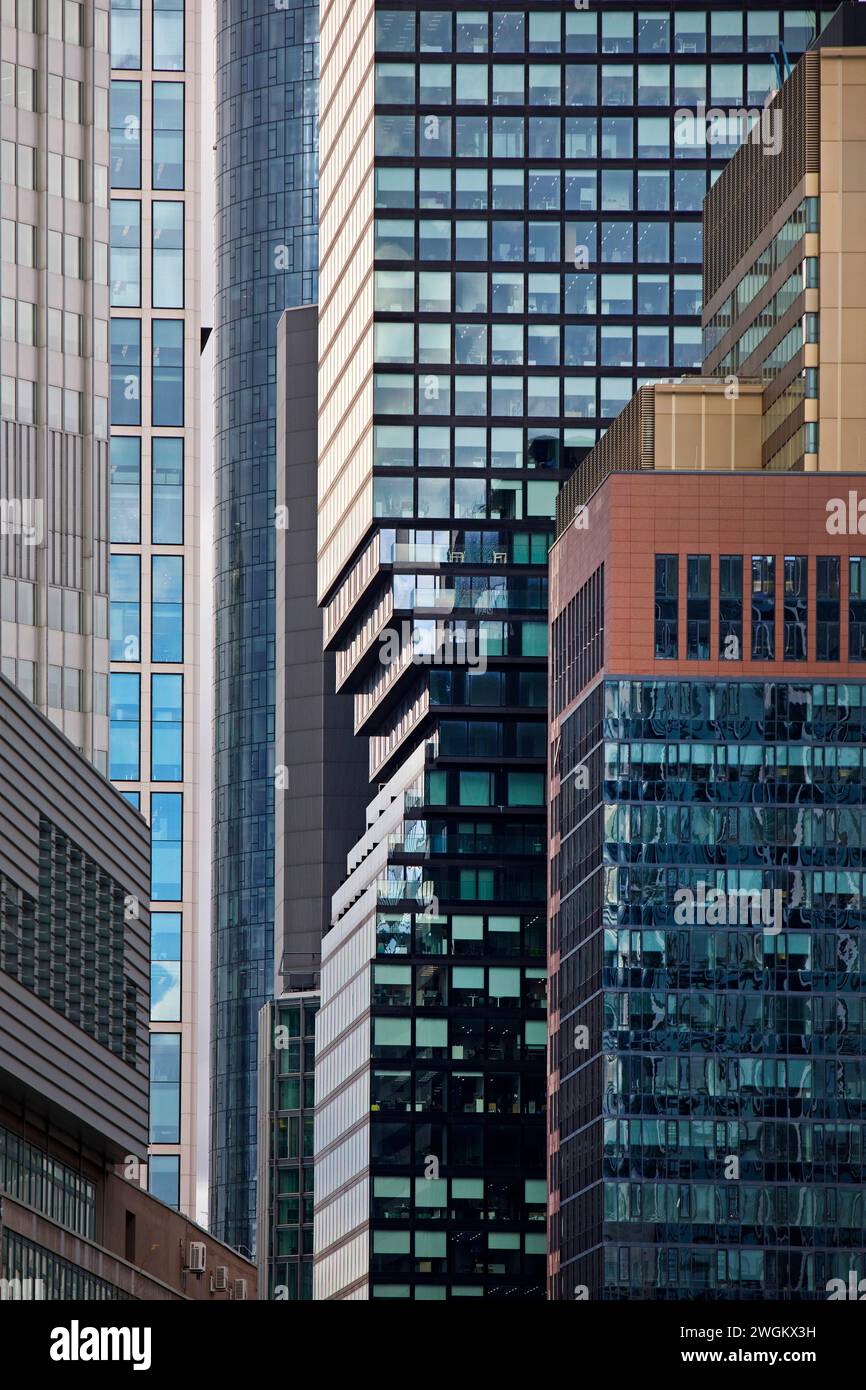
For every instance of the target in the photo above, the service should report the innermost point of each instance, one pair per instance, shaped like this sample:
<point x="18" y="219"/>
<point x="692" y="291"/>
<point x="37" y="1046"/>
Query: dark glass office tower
<point x="536" y="256"/>
<point x="266" y="236"/>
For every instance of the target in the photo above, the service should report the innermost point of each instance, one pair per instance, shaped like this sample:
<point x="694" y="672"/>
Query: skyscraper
<point x="266" y="235"/>
<point x="54" y="383"/>
<point x="707" y="785"/>
<point x="155" y="509"/>
<point x="510" y="244"/>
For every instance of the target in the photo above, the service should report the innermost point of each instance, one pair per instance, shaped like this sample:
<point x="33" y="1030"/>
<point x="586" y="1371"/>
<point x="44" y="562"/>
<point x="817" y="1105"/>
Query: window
<point x="666" y="606"/>
<point x="763" y="608"/>
<point x="731" y="607"/>
<point x="167" y="608"/>
<point x="163" y="1178"/>
<point x="168" y="51"/>
<point x="125" y="125"/>
<point x="525" y="789"/>
<point x="125" y="473"/>
<point x="167" y="378"/>
<point x="168" y="135"/>
<point x="166" y="735"/>
<point x="165" y="962"/>
<point x="165" y="1088"/>
<point x="698" y="608"/>
<point x="125" y="253"/>
<point x="827" y="608"/>
<point x="167" y="255"/>
<point x="795" y="607"/>
<point x="167" y="484"/>
<point x="125" y="608"/>
<point x="125" y="724"/>
<point x="125" y="371"/>
<point x="126" y="33"/>
<point x="166" y="811"/>
<point x="857" y="608"/>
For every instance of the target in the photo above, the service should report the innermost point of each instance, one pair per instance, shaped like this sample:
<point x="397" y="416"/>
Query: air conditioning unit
<point x="241" y="1289"/>
<point x="220" y="1279"/>
<point x="196" y="1256"/>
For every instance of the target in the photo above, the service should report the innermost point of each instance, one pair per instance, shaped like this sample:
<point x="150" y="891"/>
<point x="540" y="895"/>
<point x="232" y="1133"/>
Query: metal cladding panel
<point x="46" y="1059"/>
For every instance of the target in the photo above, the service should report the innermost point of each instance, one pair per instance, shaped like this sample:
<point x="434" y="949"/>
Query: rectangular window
<point x="166" y="820"/>
<point x="167" y="373"/>
<point x="167" y="608"/>
<point x="763" y="608"/>
<point x="125" y="125"/>
<point x="165" y="961"/>
<point x="125" y="371"/>
<point x="125" y="606"/>
<point x="731" y="607"/>
<point x="165" y="1088"/>
<point x="666" y="606"/>
<point x="125" y="725"/>
<point x="167" y="264"/>
<point x="166" y="734"/>
<point x="125" y="474"/>
<point x="795" y="607"/>
<point x="857" y="608"/>
<point x="827" y="647"/>
<point x="168" y="135"/>
<point x="168" y="35"/>
<point x="125" y="253"/>
<point x="698" y="608"/>
<point x="167" y="485"/>
<point x="126" y="33"/>
<point x="163" y="1178"/>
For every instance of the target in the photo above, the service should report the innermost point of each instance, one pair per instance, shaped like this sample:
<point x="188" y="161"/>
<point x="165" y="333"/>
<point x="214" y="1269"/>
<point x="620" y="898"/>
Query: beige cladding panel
<point x="842" y="380"/>
<point x="701" y="429"/>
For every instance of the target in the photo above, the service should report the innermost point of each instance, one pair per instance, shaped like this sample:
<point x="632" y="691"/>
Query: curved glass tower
<point x="266" y="246"/>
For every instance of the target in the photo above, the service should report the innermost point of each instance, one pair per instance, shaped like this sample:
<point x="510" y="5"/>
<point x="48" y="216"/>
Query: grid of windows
<point x="687" y="894"/>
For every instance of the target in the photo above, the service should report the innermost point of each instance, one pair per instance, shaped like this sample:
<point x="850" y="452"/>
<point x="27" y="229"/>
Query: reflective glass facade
<point x="266" y="207"/>
<point x="287" y="1029"/>
<point x="712" y="1145"/>
<point x="155" y="502"/>
<point x="537" y="248"/>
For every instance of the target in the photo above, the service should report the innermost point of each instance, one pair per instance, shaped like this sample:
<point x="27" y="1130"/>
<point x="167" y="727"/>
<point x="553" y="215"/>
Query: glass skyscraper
<point x="536" y="256"/>
<point x="266" y="246"/>
<point x="154" y="289"/>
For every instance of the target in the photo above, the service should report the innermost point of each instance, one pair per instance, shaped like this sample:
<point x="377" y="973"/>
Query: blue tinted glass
<point x="166" y="741"/>
<point x="168" y="34"/>
<point x="167" y="256"/>
<point x="125" y="253"/>
<point x="165" y="966"/>
<point x="125" y="608"/>
<point x="125" y="371"/>
<point x="165" y="1088"/>
<point x="167" y="404"/>
<point x="166" y="858"/>
<point x="126" y="33"/>
<point x="167" y="135"/>
<point x="167" y="480"/>
<point x="125" y="472"/>
<point x="167" y="608"/>
<point x="163" y="1178"/>
<point x="125" y="715"/>
<point x="126" y="135"/>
